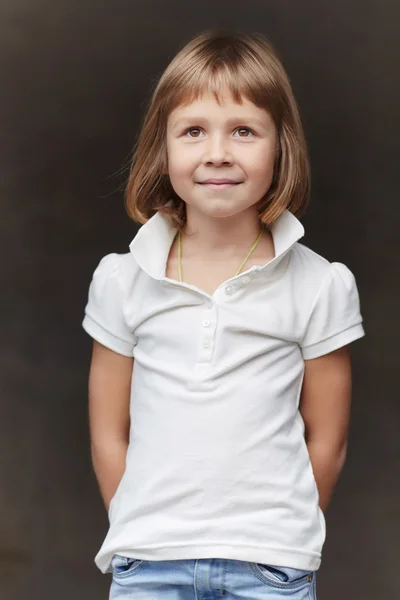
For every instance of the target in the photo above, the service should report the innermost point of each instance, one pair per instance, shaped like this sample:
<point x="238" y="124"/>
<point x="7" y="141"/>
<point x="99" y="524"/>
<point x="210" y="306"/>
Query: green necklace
<point x="254" y="246"/>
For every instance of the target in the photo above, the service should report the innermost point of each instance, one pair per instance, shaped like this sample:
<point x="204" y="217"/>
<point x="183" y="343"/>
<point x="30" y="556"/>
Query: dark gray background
<point x="75" y="77"/>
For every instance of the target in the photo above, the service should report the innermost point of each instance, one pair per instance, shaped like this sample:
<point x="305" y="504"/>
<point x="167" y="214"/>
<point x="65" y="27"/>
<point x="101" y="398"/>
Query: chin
<point x="220" y="209"/>
<point x="217" y="208"/>
<point x="220" y="213"/>
<point x="228" y="211"/>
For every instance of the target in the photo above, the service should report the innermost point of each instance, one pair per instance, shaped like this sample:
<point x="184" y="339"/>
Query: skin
<point x="208" y="140"/>
<point x="325" y="407"/>
<point x="109" y="396"/>
<point x="237" y="141"/>
<point x="228" y="140"/>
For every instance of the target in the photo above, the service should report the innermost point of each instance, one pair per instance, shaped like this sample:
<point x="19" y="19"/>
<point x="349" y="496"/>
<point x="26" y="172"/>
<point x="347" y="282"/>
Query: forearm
<point x="327" y="464"/>
<point x="109" y="461"/>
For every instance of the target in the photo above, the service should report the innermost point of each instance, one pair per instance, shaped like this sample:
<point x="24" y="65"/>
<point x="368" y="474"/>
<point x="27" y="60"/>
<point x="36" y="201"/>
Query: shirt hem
<point x="285" y="557"/>
<point x="339" y="340"/>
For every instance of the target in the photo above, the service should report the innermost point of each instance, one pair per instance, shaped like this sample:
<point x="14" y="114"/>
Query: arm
<point x="325" y="408"/>
<point x="109" y="396"/>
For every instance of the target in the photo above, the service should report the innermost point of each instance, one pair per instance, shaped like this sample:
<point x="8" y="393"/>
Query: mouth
<point x="219" y="184"/>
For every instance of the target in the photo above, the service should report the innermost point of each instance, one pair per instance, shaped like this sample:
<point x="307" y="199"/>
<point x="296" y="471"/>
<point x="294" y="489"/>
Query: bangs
<point x="236" y="75"/>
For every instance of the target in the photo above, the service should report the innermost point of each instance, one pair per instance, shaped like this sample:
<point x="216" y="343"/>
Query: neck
<point x="226" y="237"/>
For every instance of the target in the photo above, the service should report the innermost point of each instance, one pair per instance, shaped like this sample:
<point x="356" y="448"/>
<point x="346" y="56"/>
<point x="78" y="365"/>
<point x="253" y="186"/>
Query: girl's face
<point x="220" y="156"/>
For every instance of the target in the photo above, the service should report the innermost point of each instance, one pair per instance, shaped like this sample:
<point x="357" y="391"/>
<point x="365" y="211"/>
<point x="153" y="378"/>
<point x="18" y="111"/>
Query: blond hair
<point x="248" y="66"/>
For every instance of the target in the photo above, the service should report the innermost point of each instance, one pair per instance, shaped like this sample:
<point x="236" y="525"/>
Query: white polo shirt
<point x="217" y="465"/>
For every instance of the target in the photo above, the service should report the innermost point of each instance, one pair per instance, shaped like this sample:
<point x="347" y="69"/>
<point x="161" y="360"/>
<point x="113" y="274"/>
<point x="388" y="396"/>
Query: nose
<point x="217" y="150"/>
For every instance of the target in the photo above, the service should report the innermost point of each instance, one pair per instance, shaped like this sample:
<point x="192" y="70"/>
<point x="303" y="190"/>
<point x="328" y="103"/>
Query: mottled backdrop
<point x="74" y="80"/>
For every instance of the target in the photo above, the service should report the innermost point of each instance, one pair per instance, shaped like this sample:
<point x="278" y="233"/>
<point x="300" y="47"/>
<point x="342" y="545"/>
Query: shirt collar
<point x="151" y="245"/>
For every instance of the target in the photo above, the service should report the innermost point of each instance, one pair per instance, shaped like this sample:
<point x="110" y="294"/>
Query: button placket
<point x="208" y="327"/>
<point x="231" y="288"/>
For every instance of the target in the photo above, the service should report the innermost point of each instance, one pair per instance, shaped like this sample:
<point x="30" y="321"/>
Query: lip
<point x="219" y="182"/>
<point x="219" y="186"/>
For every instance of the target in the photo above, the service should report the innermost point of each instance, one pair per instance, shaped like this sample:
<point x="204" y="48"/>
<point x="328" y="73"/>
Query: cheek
<point x="177" y="170"/>
<point x="180" y="162"/>
<point x="261" y="163"/>
<point x="261" y="168"/>
<point x="178" y="175"/>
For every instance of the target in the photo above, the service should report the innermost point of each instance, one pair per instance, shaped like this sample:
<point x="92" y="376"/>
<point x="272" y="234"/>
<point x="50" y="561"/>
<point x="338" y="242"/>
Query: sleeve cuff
<point x="333" y="343"/>
<point x="106" y="338"/>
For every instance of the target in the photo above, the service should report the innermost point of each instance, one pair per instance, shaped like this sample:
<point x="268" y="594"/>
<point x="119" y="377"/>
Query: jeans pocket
<point x="123" y="566"/>
<point x="283" y="577"/>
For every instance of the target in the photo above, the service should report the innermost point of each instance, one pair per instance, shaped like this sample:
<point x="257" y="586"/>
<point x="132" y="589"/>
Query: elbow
<point x="107" y="449"/>
<point x="105" y="439"/>
<point x="330" y="452"/>
<point x="342" y="455"/>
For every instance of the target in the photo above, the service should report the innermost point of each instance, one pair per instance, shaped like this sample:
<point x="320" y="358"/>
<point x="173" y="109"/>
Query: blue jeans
<point x="207" y="579"/>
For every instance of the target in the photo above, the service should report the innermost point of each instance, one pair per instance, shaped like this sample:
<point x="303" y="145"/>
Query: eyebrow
<point x="180" y="122"/>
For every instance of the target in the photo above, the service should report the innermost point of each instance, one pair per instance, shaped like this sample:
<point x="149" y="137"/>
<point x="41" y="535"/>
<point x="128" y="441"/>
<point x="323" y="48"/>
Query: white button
<point x="229" y="289"/>
<point x="206" y="344"/>
<point x="206" y="323"/>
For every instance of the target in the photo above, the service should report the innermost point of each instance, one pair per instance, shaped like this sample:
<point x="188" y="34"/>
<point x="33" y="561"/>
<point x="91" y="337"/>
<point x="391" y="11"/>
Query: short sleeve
<point x="335" y="318"/>
<point x="104" y="318"/>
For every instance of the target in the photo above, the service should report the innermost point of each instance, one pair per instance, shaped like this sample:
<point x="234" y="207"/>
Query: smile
<point x="219" y="186"/>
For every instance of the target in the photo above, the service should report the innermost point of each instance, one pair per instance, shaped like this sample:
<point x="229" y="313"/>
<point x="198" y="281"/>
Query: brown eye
<point x="246" y="130"/>
<point x="193" y="129"/>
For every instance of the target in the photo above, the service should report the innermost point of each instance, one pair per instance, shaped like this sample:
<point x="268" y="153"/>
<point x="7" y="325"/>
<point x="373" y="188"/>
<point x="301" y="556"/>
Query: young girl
<point x="220" y="381"/>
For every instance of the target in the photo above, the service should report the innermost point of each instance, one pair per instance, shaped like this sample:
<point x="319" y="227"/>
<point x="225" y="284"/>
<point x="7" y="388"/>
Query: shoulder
<point x="328" y="293"/>
<point x="104" y="316"/>
<point x="316" y="269"/>
<point x="119" y="267"/>
<point x="309" y="263"/>
<point x="315" y="278"/>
